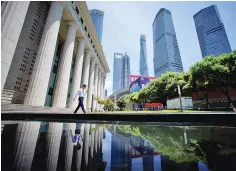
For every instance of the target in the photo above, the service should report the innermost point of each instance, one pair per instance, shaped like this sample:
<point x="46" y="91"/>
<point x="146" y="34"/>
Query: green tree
<point x="214" y="73"/>
<point x="108" y="103"/>
<point x="121" y="102"/>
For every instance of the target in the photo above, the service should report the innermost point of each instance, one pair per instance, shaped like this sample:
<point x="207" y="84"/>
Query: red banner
<point x="148" y="105"/>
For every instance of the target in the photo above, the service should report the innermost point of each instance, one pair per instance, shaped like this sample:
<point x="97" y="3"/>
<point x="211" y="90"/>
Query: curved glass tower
<point x="97" y="18"/>
<point x="211" y="32"/>
<point x="143" y="67"/>
<point x="165" y="45"/>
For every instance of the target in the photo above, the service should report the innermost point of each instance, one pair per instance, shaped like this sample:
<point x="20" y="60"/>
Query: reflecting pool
<point x="55" y="146"/>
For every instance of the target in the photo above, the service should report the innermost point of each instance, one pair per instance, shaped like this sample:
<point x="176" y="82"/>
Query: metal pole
<point x="180" y="99"/>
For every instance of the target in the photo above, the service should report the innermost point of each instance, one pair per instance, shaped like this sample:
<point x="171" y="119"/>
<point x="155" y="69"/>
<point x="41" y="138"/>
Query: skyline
<point x="121" y="35"/>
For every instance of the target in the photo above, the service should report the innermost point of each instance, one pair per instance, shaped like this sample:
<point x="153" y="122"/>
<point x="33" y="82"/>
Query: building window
<point x="77" y="11"/>
<point x="81" y="20"/>
<point x="85" y="28"/>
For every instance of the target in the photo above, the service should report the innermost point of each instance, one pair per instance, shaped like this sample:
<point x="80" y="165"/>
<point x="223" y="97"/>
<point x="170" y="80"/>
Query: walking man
<point x="81" y="93"/>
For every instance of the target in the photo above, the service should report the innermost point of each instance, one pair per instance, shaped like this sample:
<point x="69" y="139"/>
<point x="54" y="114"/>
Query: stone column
<point x="96" y="140"/>
<point x="53" y="141"/>
<point x="12" y="20"/>
<point x="86" y="144"/>
<point x="104" y="81"/>
<point x="90" y="83"/>
<point x="85" y="74"/>
<point x="101" y="85"/>
<point x="95" y="86"/>
<point x="38" y="85"/>
<point x="69" y="146"/>
<point x="93" y="126"/>
<point x="26" y="139"/>
<point x="76" y="78"/>
<point x="64" y="68"/>
<point x="98" y="88"/>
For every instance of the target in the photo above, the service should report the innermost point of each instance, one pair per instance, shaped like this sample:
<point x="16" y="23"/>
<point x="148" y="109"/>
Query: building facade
<point x="97" y="18"/>
<point x="143" y="64"/>
<point x="117" y="64"/>
<point x="165" y="46"/>
<point x="48" y="51"/>
<point x="211" y="32"/>
<point x="125" y="71"/>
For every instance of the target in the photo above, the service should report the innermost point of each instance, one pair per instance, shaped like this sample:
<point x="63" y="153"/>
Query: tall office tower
<point x="106" y="93"/>
<point x="165" y="45"/>
<point x="117" y="71"/>
<point x="97" y="18"/>
<point x="211" y="32"/>
<point x="125" y="71"/>
<point x="143" y="66"/>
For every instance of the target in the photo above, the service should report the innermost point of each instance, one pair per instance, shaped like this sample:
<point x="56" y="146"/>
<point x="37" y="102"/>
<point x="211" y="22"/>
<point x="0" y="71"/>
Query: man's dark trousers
<point x="81" y="104"/>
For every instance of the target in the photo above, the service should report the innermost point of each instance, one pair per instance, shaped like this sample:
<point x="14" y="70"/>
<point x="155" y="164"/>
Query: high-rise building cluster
<point x="211" y="34"/>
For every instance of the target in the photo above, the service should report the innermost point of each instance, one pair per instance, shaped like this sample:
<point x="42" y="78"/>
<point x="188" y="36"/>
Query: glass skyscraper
<point x="125" y="71"/>
<point x="97" y="18"/>
<point x="165" y="45"/>
<point x="143" y="66"/>
<point x="117" y="71"/>
<point x="211" y="32"/>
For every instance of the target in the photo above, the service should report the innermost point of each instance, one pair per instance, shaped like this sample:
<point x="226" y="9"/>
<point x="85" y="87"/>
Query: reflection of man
<point x="76" y="139"/>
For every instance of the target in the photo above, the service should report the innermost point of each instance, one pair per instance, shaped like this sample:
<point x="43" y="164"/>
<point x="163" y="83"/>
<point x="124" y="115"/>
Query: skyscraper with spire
<point x="143" y="66"/>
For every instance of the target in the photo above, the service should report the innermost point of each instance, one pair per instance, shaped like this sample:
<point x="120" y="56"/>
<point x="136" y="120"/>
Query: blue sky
<point x="125" y="21"/>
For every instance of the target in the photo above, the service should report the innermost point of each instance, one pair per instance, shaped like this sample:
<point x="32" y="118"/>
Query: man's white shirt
<point x="80" y="93"/>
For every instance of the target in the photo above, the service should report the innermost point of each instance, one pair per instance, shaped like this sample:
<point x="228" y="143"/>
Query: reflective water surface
<point x="116" y="147"/>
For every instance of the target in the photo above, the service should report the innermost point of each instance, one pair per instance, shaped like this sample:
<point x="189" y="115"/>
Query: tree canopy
<point x="213" y="73"/>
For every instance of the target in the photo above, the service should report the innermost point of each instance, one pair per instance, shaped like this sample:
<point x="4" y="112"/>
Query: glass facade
<point x="165" y="46"/>
<point x="125" y="71"/>
<point x="117" y="71"/>
<point x="97" y="18"/>
<point x="211" y="32"/>
<point x="143" y="67"/>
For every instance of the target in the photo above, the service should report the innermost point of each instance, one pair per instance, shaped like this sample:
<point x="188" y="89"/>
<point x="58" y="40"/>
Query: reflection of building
<point x="48" y="146"/>
<point x="49" y="53"/>
<point x="211" y="32"/>
<point x="97" y="18"/>
<point x="165" y="45"/>
<point x="143" y="66"/>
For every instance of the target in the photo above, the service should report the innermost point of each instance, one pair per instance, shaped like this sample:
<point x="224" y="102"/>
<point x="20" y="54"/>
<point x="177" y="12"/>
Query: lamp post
<point x="180" y="99"/>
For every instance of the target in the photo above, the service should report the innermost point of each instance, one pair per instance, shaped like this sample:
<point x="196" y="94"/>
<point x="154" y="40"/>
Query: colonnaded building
<point x="49" y="49"/>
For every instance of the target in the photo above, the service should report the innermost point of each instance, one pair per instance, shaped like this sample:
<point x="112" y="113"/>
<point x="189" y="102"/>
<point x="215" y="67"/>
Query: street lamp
<point x="180" y="99"/>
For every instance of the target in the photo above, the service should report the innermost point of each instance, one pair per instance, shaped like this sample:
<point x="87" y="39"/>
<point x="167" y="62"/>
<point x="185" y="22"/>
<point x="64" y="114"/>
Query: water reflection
<point x="49" y="146"/>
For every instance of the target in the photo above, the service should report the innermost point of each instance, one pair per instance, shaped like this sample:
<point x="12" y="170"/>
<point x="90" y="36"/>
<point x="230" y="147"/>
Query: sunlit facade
<point x="165" y="46"/>
<point x="53" y="50"/>
<point x="211" y="32"/>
